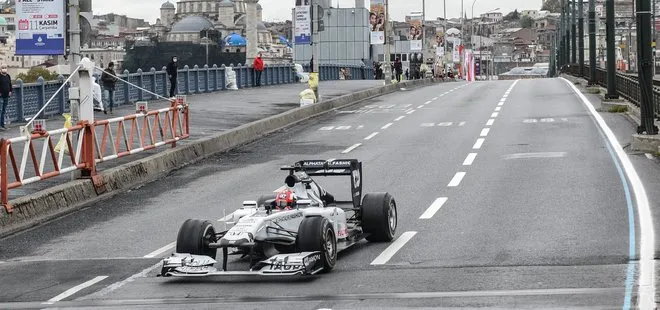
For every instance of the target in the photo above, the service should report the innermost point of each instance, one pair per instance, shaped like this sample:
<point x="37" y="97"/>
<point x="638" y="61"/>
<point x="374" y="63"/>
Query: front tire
<point x="194" y="238"/>
<point x="379" y="217"/>
<point x="316" y="234"/>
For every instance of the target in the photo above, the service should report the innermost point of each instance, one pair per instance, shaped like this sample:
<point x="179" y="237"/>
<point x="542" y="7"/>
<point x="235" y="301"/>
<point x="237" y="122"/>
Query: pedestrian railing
<point x="627" y="85"/>
<point x="28" y="98"/>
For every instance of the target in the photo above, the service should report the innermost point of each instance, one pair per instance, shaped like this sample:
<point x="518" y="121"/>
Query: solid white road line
<point x="479" y="143"/>
<point x="354" y="146"/>
<point x="371" y="135"/>
<point x="494" y="115"/>
<point x="484" y="132"/>
<point x="160" y="251"/>
<point x="490" y="122"/>
<point x="399" y="118"/>
<point x="386" y="126"/>
<point x="74" y="290"/>
<point x="535" y="155"/>
<point x="411" y="112"/>
<point x="469" y="159"/>
<point x="434" y="208"/>
<point x="384" y="257"/>
<point x="649" y="156"/>
<point x="498" y="108"/>
<point x="646" y="277"/>
<point x="456" y="180"/>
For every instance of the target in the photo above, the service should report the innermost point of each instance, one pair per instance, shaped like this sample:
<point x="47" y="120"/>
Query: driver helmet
<point x="285" y="199"/>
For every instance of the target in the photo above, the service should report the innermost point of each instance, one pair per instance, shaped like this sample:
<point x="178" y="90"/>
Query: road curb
<point x="32" y="210"/>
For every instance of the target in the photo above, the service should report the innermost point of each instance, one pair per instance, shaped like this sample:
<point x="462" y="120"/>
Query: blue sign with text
<point x="40" y="44"/>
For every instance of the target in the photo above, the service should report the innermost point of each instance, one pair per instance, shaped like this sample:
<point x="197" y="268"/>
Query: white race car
<point x="298" y="231"/>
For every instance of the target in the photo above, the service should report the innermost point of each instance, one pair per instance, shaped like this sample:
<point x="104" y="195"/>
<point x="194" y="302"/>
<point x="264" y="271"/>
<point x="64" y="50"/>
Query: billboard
<point x="377" y="22"/>
<point x="415" y="34"/>
<point x="41" y="27"/>
<point x="303" y="24"/>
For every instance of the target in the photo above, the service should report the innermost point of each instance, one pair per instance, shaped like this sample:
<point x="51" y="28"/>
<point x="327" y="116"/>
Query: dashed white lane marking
<point x="160" y="251"/>
<point x="500" y="104"/>
<point x="360" y="127"/>
<point x="74" y="290"/>
<point x="411" y="112"/>
<point x="535" y="155"/>
<point x="498" y="108"/>
<point x="484" y="132"/>
<point x="399" y="118"/>
<point x="386" y="126"/>
<point x="421" y="106"/>
<point x="456" y="180"/>
<point x="427" y="124"/>
<point x="461" y="124"/>
<point x="649" y="156"/>
<point x="384" y="257"/>
<point x="327" y="128"/>
<point x="469" y="159"/>
<point x="494" y="115"/>
<point x="434" y="208"/>
<point x="428" y="102"/>
<point x="445" y="124"/>
<point x="490" y="122"/>
<point x="435" y="98"/>
<point x="479" y="143"/>
<point x="371" y="135"/>
<point x="352" y="147"/>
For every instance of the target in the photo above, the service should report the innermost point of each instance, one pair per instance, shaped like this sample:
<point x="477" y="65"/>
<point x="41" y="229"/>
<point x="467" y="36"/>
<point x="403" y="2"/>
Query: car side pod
<point x="293" y="264"/>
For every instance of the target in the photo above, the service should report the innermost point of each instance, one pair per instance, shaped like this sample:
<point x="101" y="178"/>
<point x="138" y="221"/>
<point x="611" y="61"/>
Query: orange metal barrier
<point x="135" y="133"/>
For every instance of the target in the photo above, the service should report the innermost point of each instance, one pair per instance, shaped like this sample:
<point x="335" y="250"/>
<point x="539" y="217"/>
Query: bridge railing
<point x="28" y="98"/>
<point x="627" y="85"/>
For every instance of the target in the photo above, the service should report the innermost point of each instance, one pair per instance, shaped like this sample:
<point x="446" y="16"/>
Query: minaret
<point x="251" y="30"/>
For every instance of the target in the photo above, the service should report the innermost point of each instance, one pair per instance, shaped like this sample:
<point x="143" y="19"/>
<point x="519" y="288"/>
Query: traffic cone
<point x="61" y="144"/>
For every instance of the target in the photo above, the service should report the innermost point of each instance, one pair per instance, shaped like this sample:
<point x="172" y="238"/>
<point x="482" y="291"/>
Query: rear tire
<point x="194" y="238"/>
<point x="379" y="217"/>
<point x="316" y="234"/>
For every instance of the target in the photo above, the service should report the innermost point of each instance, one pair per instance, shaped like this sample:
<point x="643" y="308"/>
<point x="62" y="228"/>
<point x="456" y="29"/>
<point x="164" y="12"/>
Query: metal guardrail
<point x="627" y="85"/>
<point x="134" y="134"/>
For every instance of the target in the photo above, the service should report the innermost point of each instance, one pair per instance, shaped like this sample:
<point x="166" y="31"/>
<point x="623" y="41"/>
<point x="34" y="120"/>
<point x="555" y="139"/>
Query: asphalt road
<point x="511" y="205"/>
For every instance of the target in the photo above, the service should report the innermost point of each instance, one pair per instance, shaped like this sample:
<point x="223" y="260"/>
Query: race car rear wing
<point x="335" y="167"/>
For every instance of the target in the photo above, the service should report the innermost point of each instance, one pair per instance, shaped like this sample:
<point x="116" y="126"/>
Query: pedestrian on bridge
<point x="172" y="72"/>
<point x="5" y="91"/>
<point x="258" y="67"/>
<point x="109" y="81"/>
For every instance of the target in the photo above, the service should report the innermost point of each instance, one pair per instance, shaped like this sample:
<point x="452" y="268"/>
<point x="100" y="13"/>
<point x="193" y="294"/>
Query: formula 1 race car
<point x="297" y="231"/>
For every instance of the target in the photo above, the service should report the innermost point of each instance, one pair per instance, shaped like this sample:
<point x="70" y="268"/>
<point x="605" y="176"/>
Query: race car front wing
<point x="294" y="264"/>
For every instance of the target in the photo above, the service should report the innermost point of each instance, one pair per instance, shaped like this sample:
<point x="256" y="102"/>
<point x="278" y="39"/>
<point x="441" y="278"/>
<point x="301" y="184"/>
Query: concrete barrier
<point x="32" y="210"/>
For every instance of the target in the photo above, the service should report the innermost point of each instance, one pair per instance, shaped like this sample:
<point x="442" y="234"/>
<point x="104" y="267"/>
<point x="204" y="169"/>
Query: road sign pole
<point x="611" y="56"/>
<point x="645" y="72"/>
<point x="573" y="32"/>
<point x="592" y="42"/>
<point x="388" y="65"/>
<point x="316" y="45"/>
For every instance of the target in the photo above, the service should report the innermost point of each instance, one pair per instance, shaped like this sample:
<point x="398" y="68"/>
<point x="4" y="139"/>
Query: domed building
<point x="192" y="20"/>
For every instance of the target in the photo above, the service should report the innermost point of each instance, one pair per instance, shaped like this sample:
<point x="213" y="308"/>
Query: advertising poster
<point x="377" y="22"/>
<point x="40" y="27"/>
<point x="303" y="24"/>
<point x="439" y="41"/>
<point x="415" y="32"/>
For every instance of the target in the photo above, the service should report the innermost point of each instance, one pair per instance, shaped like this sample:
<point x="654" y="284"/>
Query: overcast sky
<point x="275" y="10"/>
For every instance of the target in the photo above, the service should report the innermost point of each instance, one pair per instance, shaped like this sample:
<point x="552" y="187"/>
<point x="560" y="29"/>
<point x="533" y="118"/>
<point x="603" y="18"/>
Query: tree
<point x="553" y="6"/>
<point x="512" y="16"/>
<point x="34" y="73"/>
<point x="526" y="22"/>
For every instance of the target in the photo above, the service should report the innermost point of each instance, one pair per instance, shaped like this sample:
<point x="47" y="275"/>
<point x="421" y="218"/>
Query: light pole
<point x="388" y="66"/>
<point x="480" y="56"/>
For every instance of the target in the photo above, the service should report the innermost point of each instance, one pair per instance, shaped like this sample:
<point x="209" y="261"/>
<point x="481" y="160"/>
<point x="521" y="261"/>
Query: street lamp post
<point x="388" y="66"/>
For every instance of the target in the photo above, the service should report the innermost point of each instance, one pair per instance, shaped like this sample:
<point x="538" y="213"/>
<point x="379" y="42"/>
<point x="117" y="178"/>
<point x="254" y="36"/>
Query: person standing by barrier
<point x="172" y="72"/>
<point x="109" y="80"/>
<point x="258" y="67"/>
<point x="5" y="91"/>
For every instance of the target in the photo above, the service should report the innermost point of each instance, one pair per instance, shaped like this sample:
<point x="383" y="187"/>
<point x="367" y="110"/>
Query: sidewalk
<point x="210" y="114"/>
